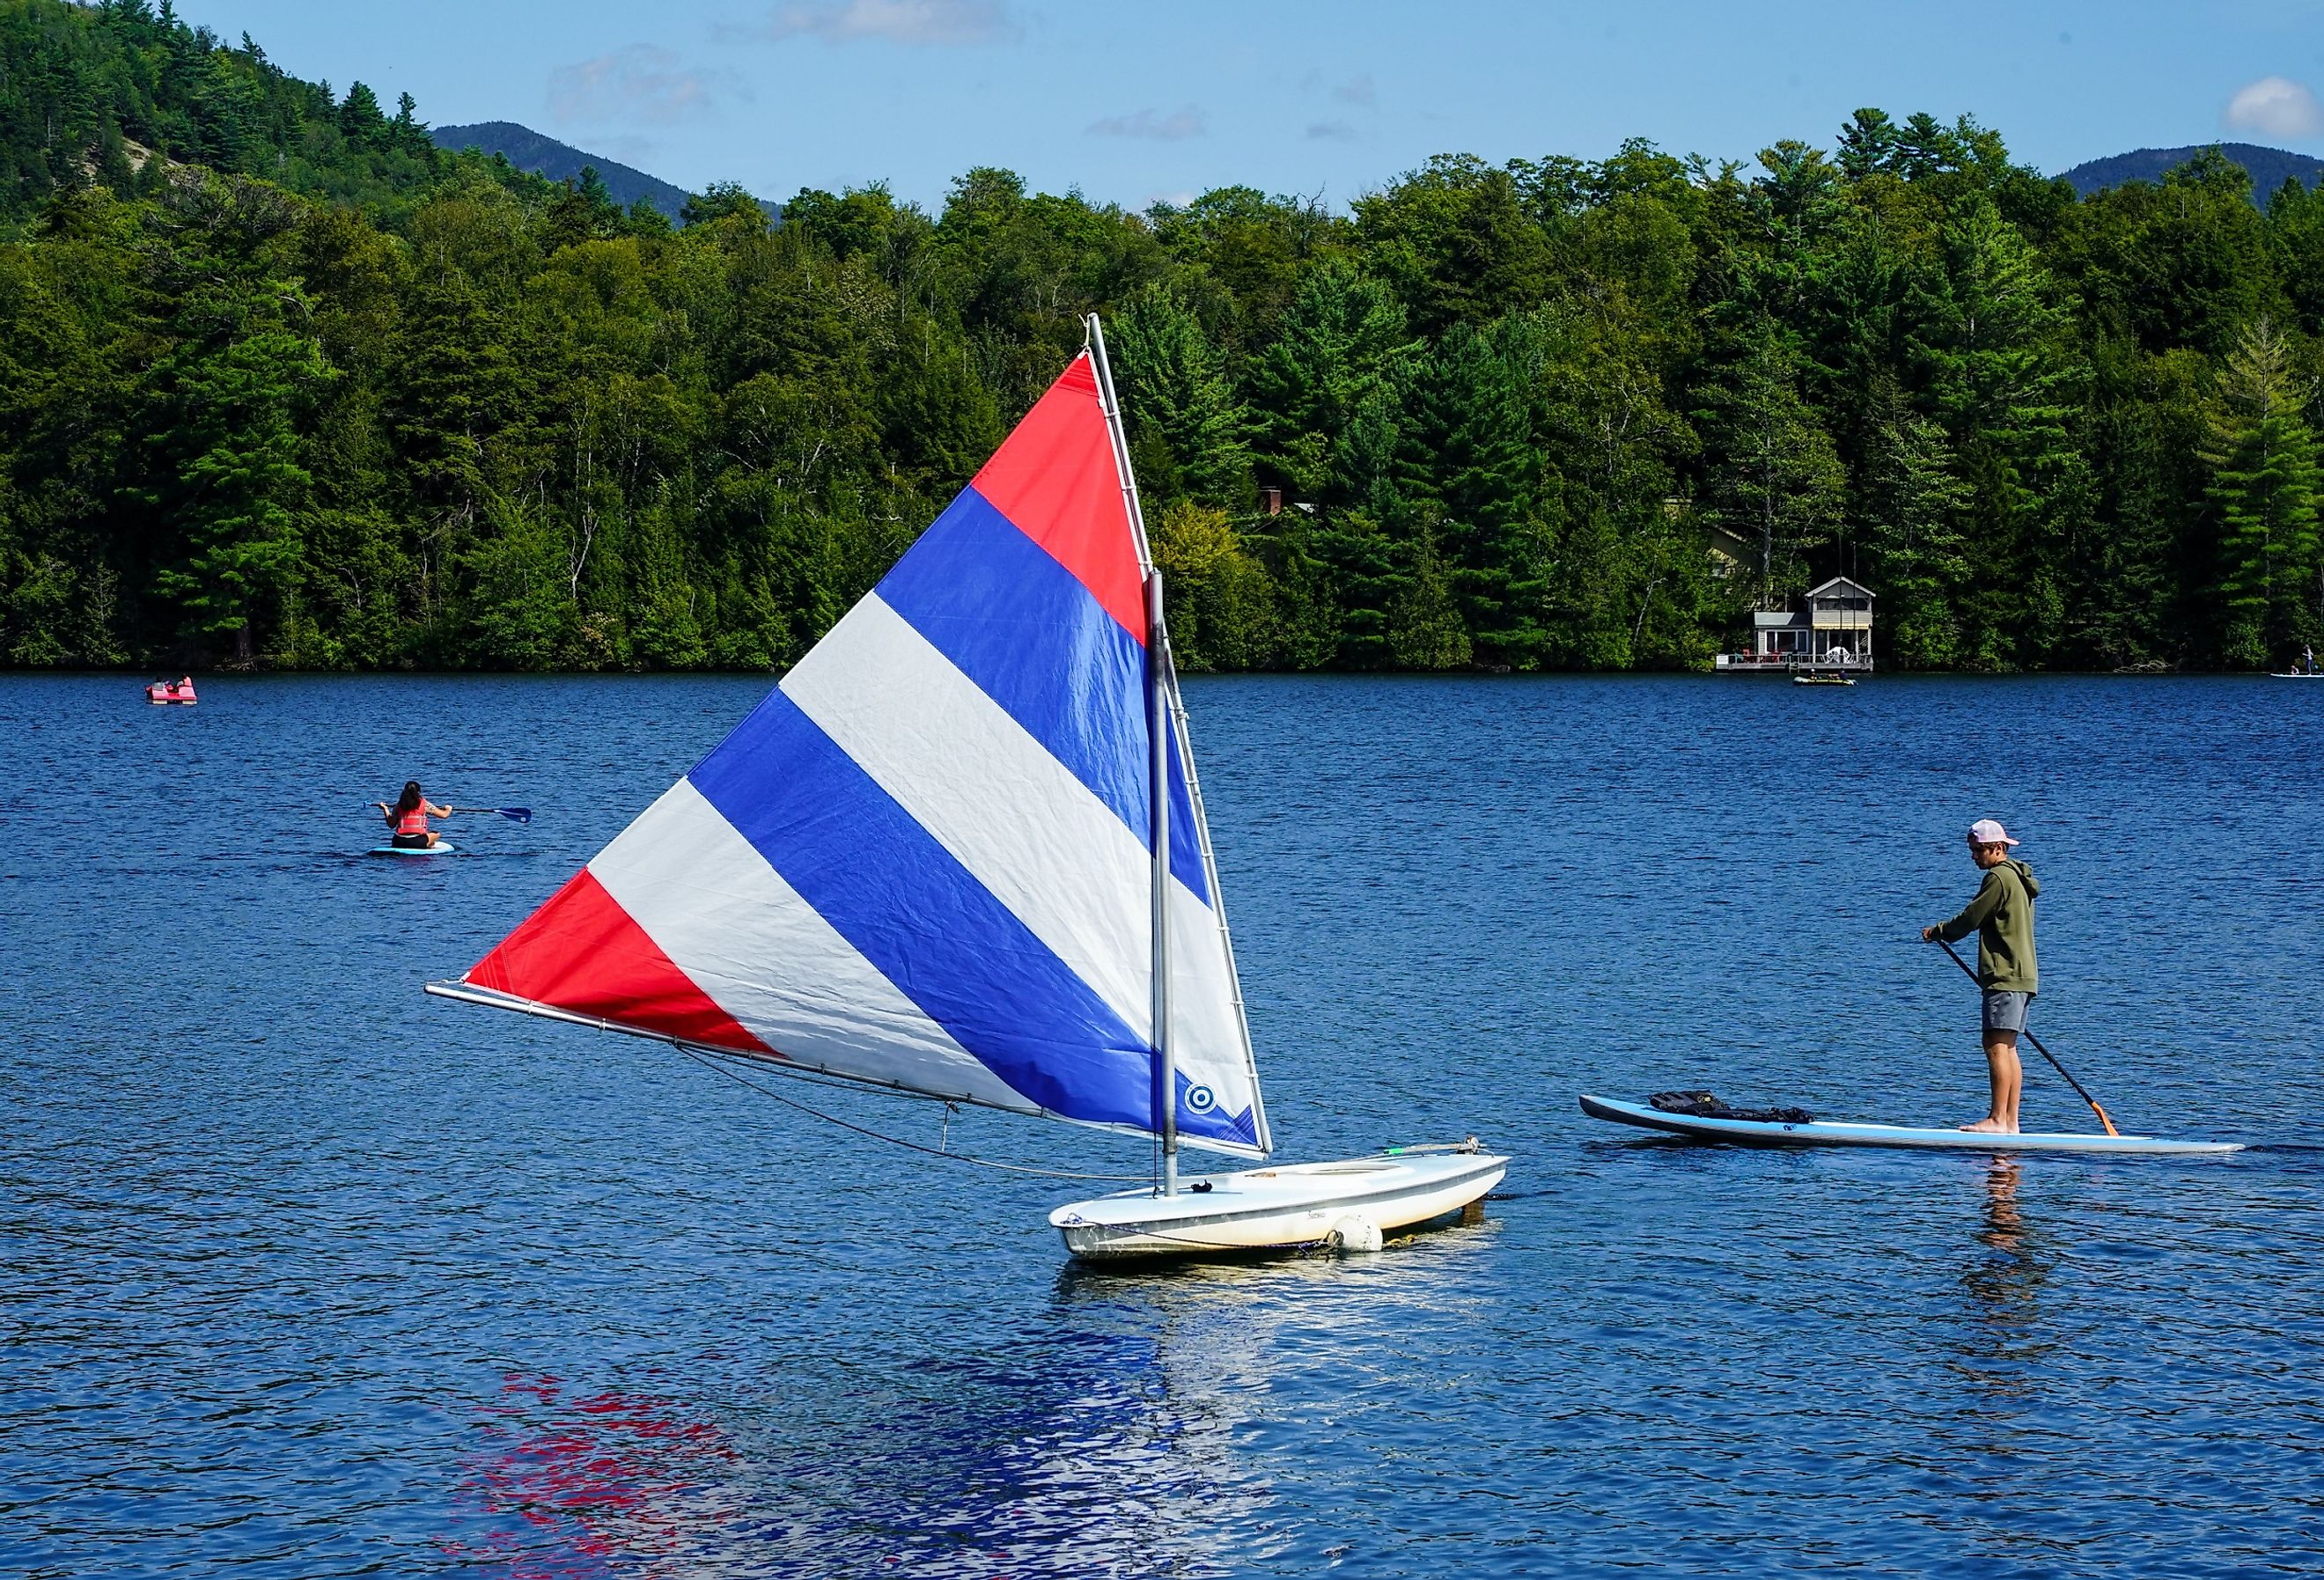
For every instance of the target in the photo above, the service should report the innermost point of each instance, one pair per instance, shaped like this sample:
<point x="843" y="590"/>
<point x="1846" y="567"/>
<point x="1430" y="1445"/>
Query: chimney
<point x="1272" y="498"/>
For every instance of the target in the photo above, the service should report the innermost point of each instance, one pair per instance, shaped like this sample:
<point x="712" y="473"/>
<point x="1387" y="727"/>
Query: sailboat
<point x="960" y="852"/>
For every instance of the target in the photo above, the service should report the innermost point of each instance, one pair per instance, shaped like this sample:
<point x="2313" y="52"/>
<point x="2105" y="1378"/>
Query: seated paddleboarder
<point x="409" y="818"/>
<point x="2002" y="917"/>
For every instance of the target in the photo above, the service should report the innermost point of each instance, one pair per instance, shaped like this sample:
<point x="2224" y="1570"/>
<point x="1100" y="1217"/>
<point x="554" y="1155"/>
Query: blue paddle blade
<point x="521" y="814"/>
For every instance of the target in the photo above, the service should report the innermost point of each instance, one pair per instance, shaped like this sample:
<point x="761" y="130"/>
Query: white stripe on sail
<point x="1207" y="1040"/>
<point x="727" y="920"/>
<point x="1025" y="826"/>
<point x="990" y="793"/>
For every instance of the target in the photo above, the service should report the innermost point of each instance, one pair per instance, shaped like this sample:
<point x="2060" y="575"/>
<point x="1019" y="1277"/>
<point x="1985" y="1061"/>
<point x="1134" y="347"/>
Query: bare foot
<point x="1992" y="1127"/>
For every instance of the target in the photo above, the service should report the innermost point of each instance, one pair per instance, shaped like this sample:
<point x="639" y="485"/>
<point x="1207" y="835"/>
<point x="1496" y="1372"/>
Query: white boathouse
<point x="1831" y="629"/>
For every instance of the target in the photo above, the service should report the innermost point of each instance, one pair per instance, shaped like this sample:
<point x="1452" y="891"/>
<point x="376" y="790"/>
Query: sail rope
<point x="708" y="1063"/>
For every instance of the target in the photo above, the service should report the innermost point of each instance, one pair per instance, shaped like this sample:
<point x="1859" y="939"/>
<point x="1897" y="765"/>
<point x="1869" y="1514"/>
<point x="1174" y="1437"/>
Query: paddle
<point x="518" y="814"/>
<point x="2044" y="1052"/>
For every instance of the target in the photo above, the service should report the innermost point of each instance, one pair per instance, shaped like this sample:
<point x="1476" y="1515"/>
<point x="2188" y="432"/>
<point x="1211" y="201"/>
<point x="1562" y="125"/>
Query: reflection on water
<point x="563" y="1488"/>
<point x="1143" y="1468"/>
<point x="2005" y="1282"/>
<point x="1107" y="1438"/>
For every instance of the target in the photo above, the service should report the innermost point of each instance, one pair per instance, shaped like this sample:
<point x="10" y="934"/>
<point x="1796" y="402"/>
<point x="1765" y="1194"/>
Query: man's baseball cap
<point x="1986" y="831"/>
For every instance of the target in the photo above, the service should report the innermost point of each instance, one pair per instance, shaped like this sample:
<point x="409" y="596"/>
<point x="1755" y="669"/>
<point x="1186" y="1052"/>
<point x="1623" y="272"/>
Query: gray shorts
<point x="2006" y="1012"/>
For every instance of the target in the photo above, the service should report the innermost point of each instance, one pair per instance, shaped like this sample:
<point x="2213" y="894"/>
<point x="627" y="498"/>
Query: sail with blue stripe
<point x="927" y="860"/>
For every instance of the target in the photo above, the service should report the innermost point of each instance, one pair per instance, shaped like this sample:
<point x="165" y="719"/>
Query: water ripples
<point x="308" y="1275"/>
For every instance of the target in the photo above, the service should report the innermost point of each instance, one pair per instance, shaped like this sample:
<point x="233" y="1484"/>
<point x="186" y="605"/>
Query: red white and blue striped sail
<point x="924" y="861"/>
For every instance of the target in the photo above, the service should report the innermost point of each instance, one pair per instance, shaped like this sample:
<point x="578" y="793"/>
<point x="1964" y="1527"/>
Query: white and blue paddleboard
<point x="438" y="848"/>
<point x="1752" y="1132"/>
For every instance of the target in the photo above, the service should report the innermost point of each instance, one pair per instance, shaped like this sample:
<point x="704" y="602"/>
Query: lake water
<point x="307" y="1274"/>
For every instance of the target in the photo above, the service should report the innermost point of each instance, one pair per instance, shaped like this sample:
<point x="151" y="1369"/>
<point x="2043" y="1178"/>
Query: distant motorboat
<point x="1823" y="679"/>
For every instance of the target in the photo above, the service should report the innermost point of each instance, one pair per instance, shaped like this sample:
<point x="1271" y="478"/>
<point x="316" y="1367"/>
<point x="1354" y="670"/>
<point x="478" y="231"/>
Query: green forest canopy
<point x="281" y="382"/>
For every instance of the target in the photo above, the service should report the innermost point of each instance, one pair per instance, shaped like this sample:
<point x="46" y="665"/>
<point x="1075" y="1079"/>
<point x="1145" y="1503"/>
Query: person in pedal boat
<point x="2002" y="917"/>
<point x="409" y="818"/>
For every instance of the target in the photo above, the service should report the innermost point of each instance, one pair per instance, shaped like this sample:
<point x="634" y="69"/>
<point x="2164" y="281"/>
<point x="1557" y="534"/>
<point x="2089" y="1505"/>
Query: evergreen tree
<point x="1181" y="409"/>
<point x="583" y="210"/>
<point x="405" y="131"/>
<point x="242" y="484"/>
<point x="1925" y="147"/>
<point x="1468" y="465"/>
<point x="1777" y="481"/>
<point x="459" y="386"/>
<point x="2263" y="458"/>
<point x="361" y="119"/>
<point x="1367" y="581"/>
<point x="1867" y="145"/>
<point x="1425" y="630"/>
<point x="1340" y="337"/>
<point x="1912" y="537"/>
<point x="1994" y="341"/>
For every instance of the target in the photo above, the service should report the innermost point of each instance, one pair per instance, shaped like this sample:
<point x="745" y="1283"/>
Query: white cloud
<point x="1175" y="127"/>
<point x="2275" y="107"/>
<point x="642" y="83"/>
<point x="897" y="21"/>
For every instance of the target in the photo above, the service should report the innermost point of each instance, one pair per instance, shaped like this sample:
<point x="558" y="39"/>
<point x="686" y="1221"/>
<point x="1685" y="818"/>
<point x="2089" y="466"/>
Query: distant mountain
<point x="2268" y="167"/>
<point x="528" y="150"/>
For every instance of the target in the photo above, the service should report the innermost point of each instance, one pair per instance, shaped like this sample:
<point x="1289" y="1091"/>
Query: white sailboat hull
<point x="1279" y="1208"/>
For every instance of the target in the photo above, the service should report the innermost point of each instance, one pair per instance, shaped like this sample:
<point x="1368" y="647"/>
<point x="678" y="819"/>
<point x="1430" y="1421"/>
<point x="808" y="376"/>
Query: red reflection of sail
<point x="581" y="1489"/>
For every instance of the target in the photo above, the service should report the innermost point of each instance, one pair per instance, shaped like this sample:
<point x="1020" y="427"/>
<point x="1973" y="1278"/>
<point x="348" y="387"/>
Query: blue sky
<point x="1134" y="100"/>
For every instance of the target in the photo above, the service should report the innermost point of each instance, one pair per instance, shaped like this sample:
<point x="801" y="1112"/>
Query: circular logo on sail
<point x="1200" y="1100"/>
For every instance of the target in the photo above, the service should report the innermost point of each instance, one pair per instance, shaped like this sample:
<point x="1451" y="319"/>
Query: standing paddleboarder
<point x="2002" y="917"/>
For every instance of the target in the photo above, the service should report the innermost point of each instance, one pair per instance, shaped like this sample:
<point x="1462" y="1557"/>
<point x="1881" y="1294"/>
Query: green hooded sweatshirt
<point x="2002" y="917"/>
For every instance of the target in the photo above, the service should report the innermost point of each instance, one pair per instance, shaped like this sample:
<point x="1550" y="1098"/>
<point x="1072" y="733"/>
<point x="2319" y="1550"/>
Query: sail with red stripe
<point x="926" y="860"/>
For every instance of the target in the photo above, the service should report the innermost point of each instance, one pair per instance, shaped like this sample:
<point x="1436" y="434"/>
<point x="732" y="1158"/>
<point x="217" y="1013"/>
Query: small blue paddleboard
<point x="1751" y="1133"/>
<point x="438" y="848"/>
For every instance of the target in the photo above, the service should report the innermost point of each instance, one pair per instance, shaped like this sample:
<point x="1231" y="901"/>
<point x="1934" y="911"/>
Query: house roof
<point x="1841" y="582"/>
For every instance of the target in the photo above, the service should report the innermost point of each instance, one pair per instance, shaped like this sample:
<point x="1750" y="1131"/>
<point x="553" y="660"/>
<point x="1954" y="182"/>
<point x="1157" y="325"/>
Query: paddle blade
<point x="2105" y="1120"/>
<point x="521" y="814"/>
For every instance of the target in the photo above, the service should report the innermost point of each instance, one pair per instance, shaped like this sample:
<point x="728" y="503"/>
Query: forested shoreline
<point x="282" y="384"/>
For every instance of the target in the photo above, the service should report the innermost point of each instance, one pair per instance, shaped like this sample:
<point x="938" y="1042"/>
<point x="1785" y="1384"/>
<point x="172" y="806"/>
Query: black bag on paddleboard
<point x="1703" y="1105"/>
